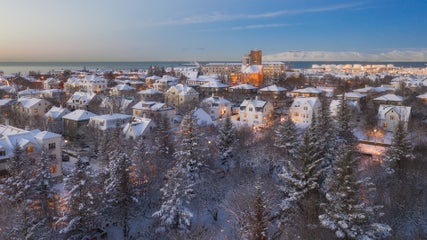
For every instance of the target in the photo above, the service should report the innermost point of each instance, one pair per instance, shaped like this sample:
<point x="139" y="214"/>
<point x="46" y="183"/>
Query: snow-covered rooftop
<point x="79" y="115"/>
<point x="273" y="88"/>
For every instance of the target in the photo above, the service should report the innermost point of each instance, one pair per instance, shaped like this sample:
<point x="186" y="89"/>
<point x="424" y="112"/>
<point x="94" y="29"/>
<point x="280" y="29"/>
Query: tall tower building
<point x="255" y="57"/>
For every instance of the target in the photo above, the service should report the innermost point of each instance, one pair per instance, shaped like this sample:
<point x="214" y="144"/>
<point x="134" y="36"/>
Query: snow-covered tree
<point x="259" y="218"/>
<point x="226" y="141"/>
<point x="174" y="213"/>
<point x="347" y="211"/>
<point x="119" y="193"/>
<point x="189" y="152"/>
<point x="324" y="131"/>
<point x="82" y="209"/>
<point x="400" y="149"/>
<point x="285" y="136"/>
<point x="16" y="185"/>
<point x="301" y="175"/>
<point x="344" y="130"/>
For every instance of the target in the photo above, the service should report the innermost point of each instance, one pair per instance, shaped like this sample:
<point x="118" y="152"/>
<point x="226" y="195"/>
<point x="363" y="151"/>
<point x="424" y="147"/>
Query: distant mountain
<point x="391" y="56"/>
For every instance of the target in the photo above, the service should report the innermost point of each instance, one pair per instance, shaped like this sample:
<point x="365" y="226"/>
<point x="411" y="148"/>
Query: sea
<point x="44" y="67"/>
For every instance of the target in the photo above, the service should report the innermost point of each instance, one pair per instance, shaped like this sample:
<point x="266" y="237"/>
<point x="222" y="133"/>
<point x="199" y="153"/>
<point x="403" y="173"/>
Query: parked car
<point x="65" y="158"/>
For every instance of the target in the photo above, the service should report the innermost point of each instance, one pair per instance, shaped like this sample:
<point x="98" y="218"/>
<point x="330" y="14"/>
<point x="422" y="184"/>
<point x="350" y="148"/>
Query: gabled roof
<point x="244" y="86"/>
<point x="28" y="102"/>
<point x="299" y="101"/>
<point x="85" y="97"/>
<point x="150" y="91"/>
<point x="150" y="105"/>
<point x="403" y="111"/>
<point x="422" y="96"/>
<point x="352" y="95"/>
<point x="273" y="88"/>
<point x="79" y="115"/>
<point x="46" y="135"/>
<point x="216" y="99"/>
<point x="389" y="97"/>
<point x="308" y="90"/>
<point x="137" y="126"/>
<point x="183" y="89"/>
<point x="203" y="118"/>
<point x="124" y="87"/>
<point x="257" y="103"/>
<point x="214" y="84"/>
<point x="56" y="112"/>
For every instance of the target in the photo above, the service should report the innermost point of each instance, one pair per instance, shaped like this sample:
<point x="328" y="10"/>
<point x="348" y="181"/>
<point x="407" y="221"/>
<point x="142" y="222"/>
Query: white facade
<point x="32" y="106"/>
<point x="390" y="115"/>
<point x="217" y="107"/>
<point x="109" y="121"/>
<point x="32" y="142"/>
<point x="303" y="109"/>
<point x="255" y="112"/>
<point x="138" y="127"/>
<point x="181" y="94"/>
<point x="153" y="109"/>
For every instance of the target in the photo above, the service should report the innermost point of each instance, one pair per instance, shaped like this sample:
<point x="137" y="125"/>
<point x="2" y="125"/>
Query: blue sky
<point x="146" y="30"/>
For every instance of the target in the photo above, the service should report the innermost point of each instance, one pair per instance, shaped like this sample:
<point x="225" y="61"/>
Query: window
<point x="256" y="116"/>
<point x="53" y="169"/>
<point x="295" y="114"/>
<point x="36" y="110"/>
<point x="52" y="146"/>
<point x="305" y="108"/>
<point x="2" y="153"/>
<point x="30" y="149"/>
<point x="391" y="117"/>
<point x="245" y="115"/>
<point x="251" y="109"/>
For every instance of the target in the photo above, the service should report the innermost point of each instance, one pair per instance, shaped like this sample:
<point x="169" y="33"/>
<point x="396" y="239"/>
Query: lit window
<point x="53" y="169"/>
<point x="30" y="149"/>
<point x="36" y="110"/>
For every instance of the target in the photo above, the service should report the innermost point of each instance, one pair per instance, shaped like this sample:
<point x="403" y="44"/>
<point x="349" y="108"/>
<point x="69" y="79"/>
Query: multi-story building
<point x="180" y="95"/>
<point x="33" y="143"/>
<point x="109" y="121"/>
<point x="254" y="112"/>
<point x="154" y="110"/>
<point x="303" y="109"/>
<point x="389" y="116"/>
<point x="217" y="107"/>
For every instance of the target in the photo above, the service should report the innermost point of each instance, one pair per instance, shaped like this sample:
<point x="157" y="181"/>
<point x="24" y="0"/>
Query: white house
<point x="154" y="110"/>
<point x="53" y="119"/>
<point x="138" y="127"/>
<point x="217" y="107"/>
<point x="123" y="89"/>
<point x="109" y="121"/>
<point x="80" y="100"/>
<point x="32" y="107"/>
<point x="31" y="142"/>
<point x="181" y="94"/>
<point x="255" y="112"/>
<point x="203" y="118"/>
<point x="303" y="109"/>
<point x="390" y="115"/>
<point x="87" y="83"/>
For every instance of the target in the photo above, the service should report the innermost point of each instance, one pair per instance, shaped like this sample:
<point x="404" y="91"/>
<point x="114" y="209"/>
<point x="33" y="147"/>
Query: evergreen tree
<point x="285" y="136"/>
<point x="81" y="214"/>
<point x="259" y="219"/>
<point x="174" y="213"/>
<point x="16" y="185"/>
<point x="190" y="151"/>
<point x="302" y="175"/>
<point x="119" y="194"/>
<point x="43" y="199"/>
<point x="344" y="129"/>
<point x="400" y="149"/>
<point x="345" y="212"/>
<point x="325" y="133"/>
<point x="226" y="142"/>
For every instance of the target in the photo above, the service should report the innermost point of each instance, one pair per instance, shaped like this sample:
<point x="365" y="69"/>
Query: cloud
<point x="249" y="27"/>
<point x="220" y="17"/>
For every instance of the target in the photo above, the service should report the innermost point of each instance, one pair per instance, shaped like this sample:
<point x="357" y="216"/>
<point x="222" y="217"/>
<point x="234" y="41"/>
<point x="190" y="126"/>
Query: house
<point x="308" y="92"/>
<point x="181" y="95"/>
<point x="6" y="108"/>
<point x="92" y="83"/>
<point x="335" y="104"/>
<point x="303" y="109"/>
<point x="423" y="97"/>
<point x="165" y="83"/>
<point x="273" y="93"/>
<point x="149" y="81"/>
<point x="32" y="142"/>
<point x="354" y="96"/>
<point x="214" y="87"/>
<point x="123" y="90"/>
<point x="115" y="104"/>
<point x="109" y="121"/>
<point x="252" y="74"/>
<point x="80" y="100"/>
<point x="151" y="95"/>
<point x="29" y="93"/>
<point x="203" y="118"/>
<point x="73" y="121"/>
<point x="51" y="83"/>
<point x="217" y="107"/>
<point x="390" y="115"/>
<point x="255" y="112"/>
<point x="53" y="119"/>
<point x="31" y="107"/>
<point x="241" y="92"/>
<point x="154" y="110"/>
<point x="138" y="127"/>
<point x="389" y="99"/>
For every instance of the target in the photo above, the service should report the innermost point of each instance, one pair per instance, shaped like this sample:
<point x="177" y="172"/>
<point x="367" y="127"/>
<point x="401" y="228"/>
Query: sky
<point x="204" y="30"/>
